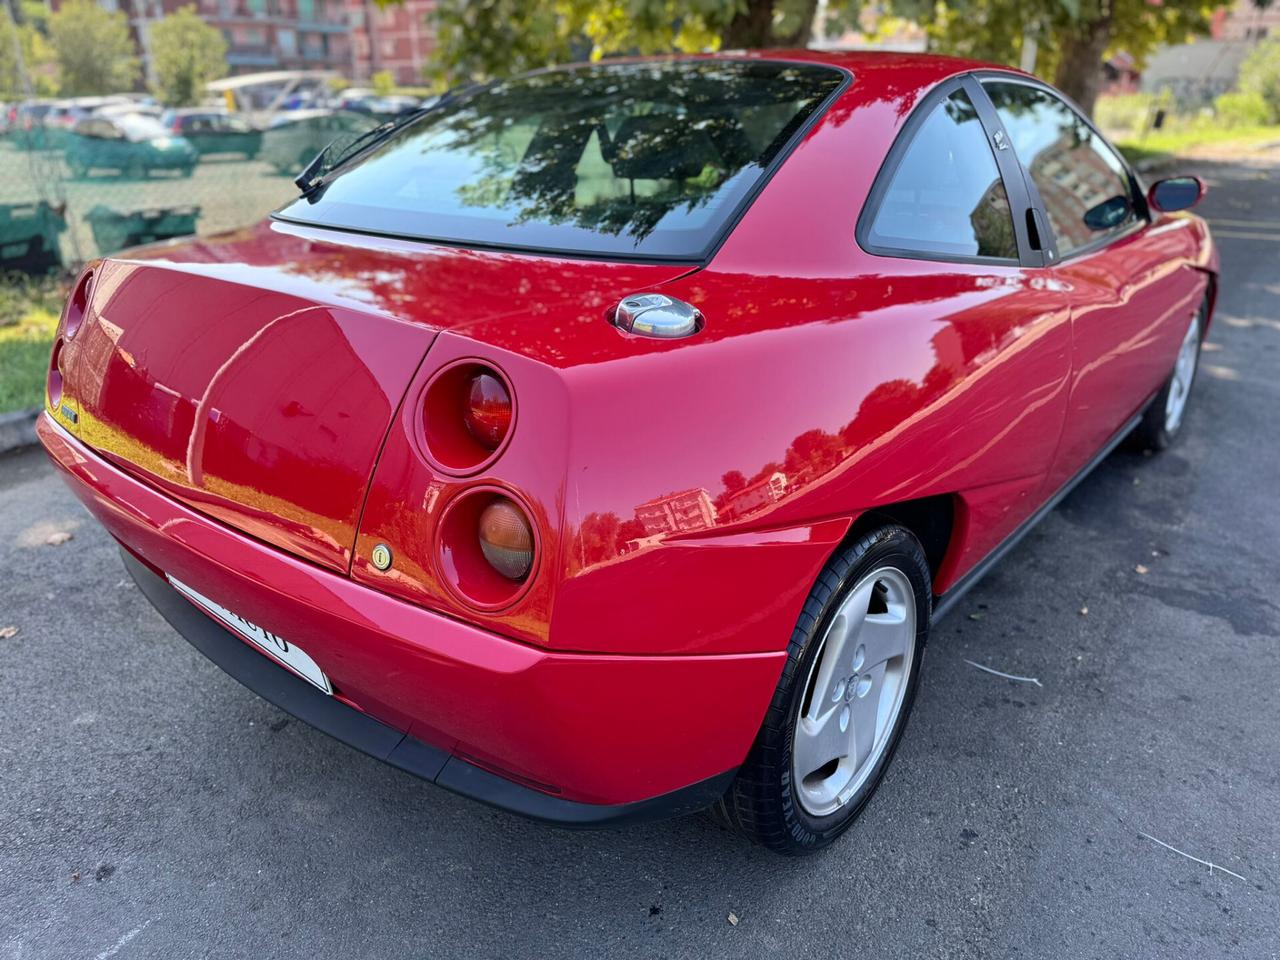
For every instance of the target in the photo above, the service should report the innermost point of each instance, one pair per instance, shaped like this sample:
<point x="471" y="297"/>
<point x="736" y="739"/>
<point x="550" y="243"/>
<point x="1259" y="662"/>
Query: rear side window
<point x="946" y="198"/>
<point x="1083" y="184"/>
<point x="633" y="159"/>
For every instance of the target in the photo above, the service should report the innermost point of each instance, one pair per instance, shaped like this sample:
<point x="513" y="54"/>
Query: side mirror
<point x="1108" y="214"/>
<point x="1175" y="193"/>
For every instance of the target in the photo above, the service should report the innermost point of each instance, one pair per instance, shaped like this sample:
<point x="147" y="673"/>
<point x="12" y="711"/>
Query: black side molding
<point x="294" y="695"/>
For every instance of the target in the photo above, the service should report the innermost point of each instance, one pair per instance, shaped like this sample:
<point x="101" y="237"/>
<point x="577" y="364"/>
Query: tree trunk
<point x="751" y="26"/>
<point x="1079" y="73"/>
<point x="803" y="30"/>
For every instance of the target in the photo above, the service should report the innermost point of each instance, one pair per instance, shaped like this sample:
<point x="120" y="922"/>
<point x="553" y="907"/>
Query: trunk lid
<point x="254" y="376"/>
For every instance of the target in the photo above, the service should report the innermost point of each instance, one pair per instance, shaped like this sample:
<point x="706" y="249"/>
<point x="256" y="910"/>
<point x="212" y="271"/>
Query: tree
<point x="1072" y="36"/>
<point x="479" y="39"/>
<point x="186" y="53"/>
<point x="94" y="51"/>
<point x="26" y="60"/>
<point x="383" y="83"/>
<point x="1260" y="75"/>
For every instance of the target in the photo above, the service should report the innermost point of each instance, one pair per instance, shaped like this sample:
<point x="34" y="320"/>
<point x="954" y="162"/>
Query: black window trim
<point x="1010" y="176"/>
<point x="1137" y="196"/>
<point x="708" y="253"/>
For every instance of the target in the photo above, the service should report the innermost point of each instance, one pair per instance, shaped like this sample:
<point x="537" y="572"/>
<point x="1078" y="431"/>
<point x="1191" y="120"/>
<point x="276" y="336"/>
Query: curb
<point x="18" y="429"/>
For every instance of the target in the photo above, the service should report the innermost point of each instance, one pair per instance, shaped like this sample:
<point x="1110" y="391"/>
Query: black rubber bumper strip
<point x="294" y="695"/>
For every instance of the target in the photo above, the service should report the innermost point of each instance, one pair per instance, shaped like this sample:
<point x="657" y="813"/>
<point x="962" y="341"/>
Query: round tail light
<point x="468" y="417"/>
<point x="77" y="306"/>
<point x="487" y="414"/>
<point x="506" y="539"/>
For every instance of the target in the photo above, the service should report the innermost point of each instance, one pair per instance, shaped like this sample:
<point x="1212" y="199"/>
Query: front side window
<point x="1082" y="183"/>
<point x="648" y="159"/>
<point x="946" y="198"/>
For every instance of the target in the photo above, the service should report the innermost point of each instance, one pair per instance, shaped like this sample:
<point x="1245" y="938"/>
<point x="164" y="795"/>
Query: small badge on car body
<point x="381" y="556"/>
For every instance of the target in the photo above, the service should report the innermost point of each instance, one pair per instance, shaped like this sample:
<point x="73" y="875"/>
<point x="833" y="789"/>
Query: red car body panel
<point x="546" y="717"/>
<point x="685" y="493"/>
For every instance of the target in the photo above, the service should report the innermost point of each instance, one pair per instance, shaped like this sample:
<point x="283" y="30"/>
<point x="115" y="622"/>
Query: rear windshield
<point x="637" y="159"/>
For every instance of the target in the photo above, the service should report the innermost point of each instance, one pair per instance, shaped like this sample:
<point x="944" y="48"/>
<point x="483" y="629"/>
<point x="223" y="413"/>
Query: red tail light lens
<point x="506" y="539"/>
<point x="468" y="417"/>
<point x="77" y="306"/>
<point x="54" y="384"/>
<point x="488" y="411"/>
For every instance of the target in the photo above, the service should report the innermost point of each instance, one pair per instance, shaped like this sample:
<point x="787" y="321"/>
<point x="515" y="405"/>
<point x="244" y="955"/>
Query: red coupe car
<point x="601" y="444"/>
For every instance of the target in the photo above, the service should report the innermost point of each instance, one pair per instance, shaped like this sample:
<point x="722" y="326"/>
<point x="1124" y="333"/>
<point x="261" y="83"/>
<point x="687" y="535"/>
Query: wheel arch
<point x="931" y="520"/>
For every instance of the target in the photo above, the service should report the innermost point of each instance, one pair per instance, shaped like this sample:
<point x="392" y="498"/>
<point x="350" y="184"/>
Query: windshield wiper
<point x="328" y="160"/>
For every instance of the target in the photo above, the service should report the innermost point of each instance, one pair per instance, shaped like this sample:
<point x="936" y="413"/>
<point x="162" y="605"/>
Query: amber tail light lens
<point x="488" y="410"/>
<point x="506" y="539"/>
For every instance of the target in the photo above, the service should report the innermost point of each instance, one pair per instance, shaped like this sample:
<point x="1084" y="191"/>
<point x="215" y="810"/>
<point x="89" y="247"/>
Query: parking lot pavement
<point x="151" y="807"/>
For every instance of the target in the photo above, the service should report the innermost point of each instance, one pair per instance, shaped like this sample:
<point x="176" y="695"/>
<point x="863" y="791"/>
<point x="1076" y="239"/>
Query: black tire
<point x="762" y="803"/>
<point x="1155" y="432"/>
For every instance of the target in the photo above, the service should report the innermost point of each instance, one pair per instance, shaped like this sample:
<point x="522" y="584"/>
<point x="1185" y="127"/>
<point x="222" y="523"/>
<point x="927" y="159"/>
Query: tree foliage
<point x="33" y="73"/>
<point x="186" y="53"/>
<point x="1072" y="36"/>
<point x="479" y="39"/>
<point x="93" y="48"/>
<point x="1260" y="76"/>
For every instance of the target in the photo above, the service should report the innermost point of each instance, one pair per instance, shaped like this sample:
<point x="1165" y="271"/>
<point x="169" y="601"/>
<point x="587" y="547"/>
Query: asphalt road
<point x="151" y="807"/>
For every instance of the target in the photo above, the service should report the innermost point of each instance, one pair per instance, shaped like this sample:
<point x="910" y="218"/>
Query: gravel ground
<point x="151" y="807"/>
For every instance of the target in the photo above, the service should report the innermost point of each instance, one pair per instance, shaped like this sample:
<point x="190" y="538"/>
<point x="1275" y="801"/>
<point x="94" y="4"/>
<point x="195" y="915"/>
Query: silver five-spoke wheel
<point x="855" y="691"/>
<point x="1184" y="371"/>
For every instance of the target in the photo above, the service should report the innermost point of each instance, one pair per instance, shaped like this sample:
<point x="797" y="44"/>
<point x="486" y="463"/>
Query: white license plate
<point x="277" y="648"/>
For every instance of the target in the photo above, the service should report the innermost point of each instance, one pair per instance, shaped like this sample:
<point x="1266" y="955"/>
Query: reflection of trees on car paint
<point x="809" y="457"/>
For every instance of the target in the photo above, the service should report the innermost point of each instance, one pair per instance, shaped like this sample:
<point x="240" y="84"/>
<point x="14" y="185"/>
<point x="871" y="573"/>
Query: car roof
<point x="902" y="75"/>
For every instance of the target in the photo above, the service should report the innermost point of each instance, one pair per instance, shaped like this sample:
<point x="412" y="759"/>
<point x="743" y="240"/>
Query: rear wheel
<point x="1162" y="422"/>
<point x="843" y="699"/>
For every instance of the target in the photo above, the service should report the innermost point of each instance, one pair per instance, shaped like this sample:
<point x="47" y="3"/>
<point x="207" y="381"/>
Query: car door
<point x="951" y="195"/>
<point x="1131" y="293"/>
<point x="197" y="132"/>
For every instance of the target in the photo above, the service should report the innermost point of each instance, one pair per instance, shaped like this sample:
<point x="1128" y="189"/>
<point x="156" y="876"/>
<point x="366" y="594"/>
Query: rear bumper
<point x="578" y="739"/>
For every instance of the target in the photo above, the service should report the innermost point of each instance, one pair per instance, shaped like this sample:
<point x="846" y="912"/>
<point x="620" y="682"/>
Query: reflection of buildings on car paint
<point x="754" y="496"/>
<point x="685" y="512"/>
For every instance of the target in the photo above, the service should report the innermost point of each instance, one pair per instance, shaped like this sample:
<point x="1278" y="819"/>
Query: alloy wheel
<point x="855" y="690"/>
<point x="1184" y="372"/>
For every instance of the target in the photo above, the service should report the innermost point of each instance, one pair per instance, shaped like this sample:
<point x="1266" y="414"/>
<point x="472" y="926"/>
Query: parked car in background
<point x="295" y="137"/>
<point x="384" y="106"/>
<point x="604" y="444"/>
<point x="214" y="131"/>
<point x="132" y="144"/>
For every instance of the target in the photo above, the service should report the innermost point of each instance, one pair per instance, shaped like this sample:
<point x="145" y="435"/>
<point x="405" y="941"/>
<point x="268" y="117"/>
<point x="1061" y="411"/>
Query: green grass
<point x="1185" y="141"/>
<point x="29" y="311"/>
